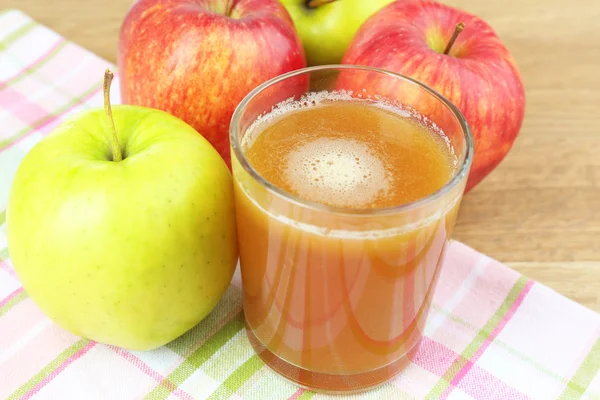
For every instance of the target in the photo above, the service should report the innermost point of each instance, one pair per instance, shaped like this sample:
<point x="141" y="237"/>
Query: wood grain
<point x="540" y="210"/>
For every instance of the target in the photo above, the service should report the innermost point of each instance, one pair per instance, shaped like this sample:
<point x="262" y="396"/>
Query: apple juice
<point x="336" y="303"/>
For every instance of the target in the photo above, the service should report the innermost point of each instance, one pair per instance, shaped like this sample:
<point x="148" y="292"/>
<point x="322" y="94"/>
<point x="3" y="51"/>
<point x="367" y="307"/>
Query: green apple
<point x="326" y="27"/>
<point x="122" y="230"/>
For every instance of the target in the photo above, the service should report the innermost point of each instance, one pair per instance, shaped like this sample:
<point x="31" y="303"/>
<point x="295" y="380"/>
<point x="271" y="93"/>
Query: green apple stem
<point x="459" y="28"/>
<point x="318" y="3"/>
<point x="116" y="149"/>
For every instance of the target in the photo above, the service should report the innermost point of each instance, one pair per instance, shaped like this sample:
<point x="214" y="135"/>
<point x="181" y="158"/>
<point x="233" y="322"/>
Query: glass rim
<point x="458" y="176"/>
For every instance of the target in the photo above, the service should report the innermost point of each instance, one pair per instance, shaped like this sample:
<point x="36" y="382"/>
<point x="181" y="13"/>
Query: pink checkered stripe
<point x="492" y="334"/>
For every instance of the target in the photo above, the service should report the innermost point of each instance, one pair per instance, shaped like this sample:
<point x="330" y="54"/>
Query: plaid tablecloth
<point x="492" y="334"/>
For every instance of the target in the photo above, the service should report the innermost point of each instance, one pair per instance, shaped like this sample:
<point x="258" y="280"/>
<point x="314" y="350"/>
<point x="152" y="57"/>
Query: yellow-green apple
<point x="326" y="27"/>
<point x="197" y="59"/>
<point x="473" y="69"/>
<point x="123" y="232"/>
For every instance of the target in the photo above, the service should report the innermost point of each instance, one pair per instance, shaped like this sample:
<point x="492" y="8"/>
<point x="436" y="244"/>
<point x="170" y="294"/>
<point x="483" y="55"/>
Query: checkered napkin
<point x="491" y="334"/>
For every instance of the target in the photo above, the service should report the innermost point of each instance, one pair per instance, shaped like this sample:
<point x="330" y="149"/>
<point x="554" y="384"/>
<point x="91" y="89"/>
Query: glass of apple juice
<point x="347" y="184"/>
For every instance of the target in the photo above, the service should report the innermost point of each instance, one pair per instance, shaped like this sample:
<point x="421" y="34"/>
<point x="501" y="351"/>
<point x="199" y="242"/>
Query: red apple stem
<point x="459" y="28"/>
<point x="318" y="3"/>
<point x="228" y="7"/>
<point x="116" y="149"/>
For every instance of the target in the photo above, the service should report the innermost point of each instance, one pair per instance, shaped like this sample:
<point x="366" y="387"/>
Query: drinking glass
<point x="336" y="299"/>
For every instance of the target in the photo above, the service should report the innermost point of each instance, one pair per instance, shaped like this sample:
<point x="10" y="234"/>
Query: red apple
<point x="197" y="59"/>
<point x="478" y="75"/>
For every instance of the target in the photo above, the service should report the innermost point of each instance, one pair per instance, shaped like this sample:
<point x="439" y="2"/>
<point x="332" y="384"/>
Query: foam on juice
<point x="336" y="150"/>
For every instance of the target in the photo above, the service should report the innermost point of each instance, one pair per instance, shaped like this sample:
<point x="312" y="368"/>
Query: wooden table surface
<point x="539" y="212"/>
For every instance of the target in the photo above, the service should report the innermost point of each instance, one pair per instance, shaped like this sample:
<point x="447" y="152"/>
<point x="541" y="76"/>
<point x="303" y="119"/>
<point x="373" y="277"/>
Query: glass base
<point x="330" y="383"/>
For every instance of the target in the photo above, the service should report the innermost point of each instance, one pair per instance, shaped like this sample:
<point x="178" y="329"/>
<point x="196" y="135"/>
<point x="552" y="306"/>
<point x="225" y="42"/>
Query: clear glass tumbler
<point x="336" y="299"/>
